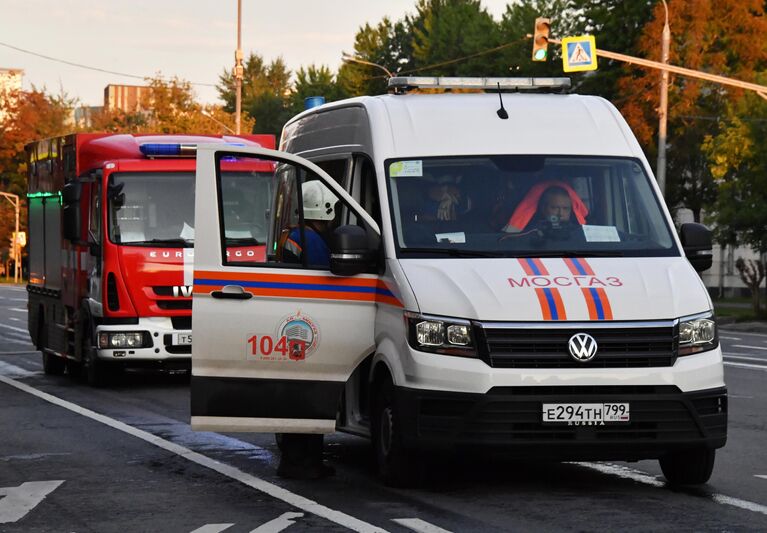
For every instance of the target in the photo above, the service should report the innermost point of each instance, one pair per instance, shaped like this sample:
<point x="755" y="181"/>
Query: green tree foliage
<point x="314" y="81"/>
<point x="265" y="92"/>
<point x="387" y="44"/>
<point x="617" y="25"/>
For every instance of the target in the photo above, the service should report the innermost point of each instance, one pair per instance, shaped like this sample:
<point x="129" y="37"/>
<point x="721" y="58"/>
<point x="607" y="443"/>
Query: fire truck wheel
<point x="93" y="370"/>
<point x="398" y="466"/>
<point x="52" y="364"/>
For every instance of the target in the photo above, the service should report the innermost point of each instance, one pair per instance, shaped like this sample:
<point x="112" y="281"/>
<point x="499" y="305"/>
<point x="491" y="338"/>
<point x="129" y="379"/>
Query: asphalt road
<point x="123" y="458"/>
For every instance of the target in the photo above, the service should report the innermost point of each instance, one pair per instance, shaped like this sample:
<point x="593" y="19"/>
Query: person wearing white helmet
<point x="319" y="211"/>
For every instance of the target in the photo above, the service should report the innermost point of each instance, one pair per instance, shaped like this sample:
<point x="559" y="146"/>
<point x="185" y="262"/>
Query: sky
<point x="192" y="39"/>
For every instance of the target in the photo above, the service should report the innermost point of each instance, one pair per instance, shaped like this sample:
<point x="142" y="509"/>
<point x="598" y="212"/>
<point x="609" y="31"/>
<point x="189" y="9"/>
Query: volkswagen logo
<point x="583" y="347"/>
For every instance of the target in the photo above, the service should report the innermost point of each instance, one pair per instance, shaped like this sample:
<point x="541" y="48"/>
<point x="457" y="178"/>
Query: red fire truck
<point x="111" y="244"/>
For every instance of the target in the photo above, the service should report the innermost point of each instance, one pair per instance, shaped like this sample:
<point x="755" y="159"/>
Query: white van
<point x="456" y="270"/>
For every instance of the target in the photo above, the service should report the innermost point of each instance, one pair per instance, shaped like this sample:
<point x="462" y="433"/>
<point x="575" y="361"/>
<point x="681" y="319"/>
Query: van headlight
<point x="697" y="334"/>
<point x="448" y="336"/>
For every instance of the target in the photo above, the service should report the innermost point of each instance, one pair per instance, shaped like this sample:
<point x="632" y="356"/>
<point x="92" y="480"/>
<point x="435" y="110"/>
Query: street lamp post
<point x="238" y="70"/>
<point x="14" y="199"/>
<point x="663" y="107"/>
<point x="211" y="117"/>
<point x="352" y="59"/>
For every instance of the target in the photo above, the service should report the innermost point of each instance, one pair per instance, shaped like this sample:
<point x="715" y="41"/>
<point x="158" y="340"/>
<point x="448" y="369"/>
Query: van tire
<point x="397" y="465"/>
<point x="688" y="467"/>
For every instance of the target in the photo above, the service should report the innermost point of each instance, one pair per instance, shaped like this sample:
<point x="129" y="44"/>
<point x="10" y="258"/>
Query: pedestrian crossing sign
<point x="579" y="53"/>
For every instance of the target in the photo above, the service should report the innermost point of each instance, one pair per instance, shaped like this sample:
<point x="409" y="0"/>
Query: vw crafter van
<point x="457" y="270"/>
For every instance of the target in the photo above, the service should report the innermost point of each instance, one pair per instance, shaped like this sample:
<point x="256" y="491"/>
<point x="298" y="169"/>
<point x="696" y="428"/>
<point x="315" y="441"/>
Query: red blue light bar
<point x="153" y="150"/>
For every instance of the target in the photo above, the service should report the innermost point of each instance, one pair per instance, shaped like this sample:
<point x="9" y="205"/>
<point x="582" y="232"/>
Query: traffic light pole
<point x="761" y="90"/>
<point x="14" y="199"/>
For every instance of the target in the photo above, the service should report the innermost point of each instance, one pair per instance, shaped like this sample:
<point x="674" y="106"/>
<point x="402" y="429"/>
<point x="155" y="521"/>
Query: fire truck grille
<point x="632" y="346"/>
<point x="175" y="305"/>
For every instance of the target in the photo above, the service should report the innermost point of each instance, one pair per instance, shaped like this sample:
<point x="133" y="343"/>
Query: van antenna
<point x="502" y="114"/>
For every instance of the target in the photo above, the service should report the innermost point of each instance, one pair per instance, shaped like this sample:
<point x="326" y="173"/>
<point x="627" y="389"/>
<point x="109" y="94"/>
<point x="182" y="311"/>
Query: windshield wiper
<point x="452" y="252"/>
<point x="252" y="241"/>
<point x="169" y="242"/>
<point x="544" y="253"/>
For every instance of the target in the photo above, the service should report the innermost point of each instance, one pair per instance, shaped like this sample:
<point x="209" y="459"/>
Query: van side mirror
<point x="697" y="244"/>
<point x="349" y="251"/>
<point x="70" y="211"/>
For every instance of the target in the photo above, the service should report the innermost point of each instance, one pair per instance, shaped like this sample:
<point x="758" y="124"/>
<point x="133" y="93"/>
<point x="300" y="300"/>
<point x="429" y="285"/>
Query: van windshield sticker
<point x="406" y="169"/>
<point x="456" y="237"/>
<point x="601" y="233"/>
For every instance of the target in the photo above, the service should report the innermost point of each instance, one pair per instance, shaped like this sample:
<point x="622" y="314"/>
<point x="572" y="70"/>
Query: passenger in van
<point x="319" y="212"/>
<point x="550" y="202"/>
<point x="442" y="201"/>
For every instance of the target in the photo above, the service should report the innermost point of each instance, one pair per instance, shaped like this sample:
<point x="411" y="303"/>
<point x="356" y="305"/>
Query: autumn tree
<point x="724" y="37"/>
<point x="26" y="117"/>
<point x="737" y="156"/>
<point x="169" y="106"/>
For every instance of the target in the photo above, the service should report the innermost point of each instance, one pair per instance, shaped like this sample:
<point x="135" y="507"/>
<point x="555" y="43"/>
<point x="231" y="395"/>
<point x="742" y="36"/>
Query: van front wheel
<point x="397" y="465"/>
<point x="688" y="467"/>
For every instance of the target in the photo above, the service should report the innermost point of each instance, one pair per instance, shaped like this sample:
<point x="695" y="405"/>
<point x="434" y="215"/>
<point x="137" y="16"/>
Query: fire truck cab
<point x="111" y="224"/>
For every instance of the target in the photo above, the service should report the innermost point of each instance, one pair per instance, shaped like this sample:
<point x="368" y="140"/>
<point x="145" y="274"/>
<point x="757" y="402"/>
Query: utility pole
<point x="660" y="170"/>
<point x="238" y="70"/>
<point x="14" y="199"/>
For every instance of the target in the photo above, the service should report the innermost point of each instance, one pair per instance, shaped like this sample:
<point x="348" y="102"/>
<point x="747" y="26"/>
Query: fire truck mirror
<point x="70" y="200"/>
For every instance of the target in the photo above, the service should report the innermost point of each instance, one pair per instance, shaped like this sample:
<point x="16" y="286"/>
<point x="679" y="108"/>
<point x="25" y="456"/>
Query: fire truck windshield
<point x="157" y="208"/>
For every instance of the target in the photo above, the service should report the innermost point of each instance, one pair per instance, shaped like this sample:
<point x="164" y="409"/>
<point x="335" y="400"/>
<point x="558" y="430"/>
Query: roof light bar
<point x="44" y="195"/>
<point x="406" y="83"/>
<point x="168" y="150"/>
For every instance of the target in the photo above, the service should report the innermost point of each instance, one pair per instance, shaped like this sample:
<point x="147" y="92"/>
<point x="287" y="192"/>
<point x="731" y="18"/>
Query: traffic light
<point x="541" y="39"/>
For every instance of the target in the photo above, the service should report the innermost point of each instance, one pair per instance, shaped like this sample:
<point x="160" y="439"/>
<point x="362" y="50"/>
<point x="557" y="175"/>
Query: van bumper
<point x="509" y="420"/>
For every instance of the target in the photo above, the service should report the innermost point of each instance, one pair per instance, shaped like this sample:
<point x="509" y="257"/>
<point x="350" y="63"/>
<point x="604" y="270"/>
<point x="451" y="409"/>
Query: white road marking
<point x="17" y="309"/>
<point x="212" y="528"/>
<point x="416" y="524"/>
<point x="750" y="347"/>
<point x="746" y="365"/>
<point x="18" y="353"/>
<point x="744" y="358"/>
<point x="17" y="299"/>
<point x="746" y="333"/>
<point x="280" y="523"/>
<point x="641" y="477"/>
<point x="9" y="339"/>
<point x="13" y="371"/>
<point x="14" y="329"/>
<point x="760" y="476"/>
<point x="729" y="338"/>
<point x="232" y="472"/>
<point x="14" y="319"/>
<point x="16" y="502"/>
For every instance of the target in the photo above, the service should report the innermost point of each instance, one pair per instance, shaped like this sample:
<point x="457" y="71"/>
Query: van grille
<point x="626" y="346"/>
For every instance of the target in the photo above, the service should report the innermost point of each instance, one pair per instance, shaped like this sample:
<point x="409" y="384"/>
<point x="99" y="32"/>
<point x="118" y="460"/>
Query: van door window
<point x="296" y="227"/>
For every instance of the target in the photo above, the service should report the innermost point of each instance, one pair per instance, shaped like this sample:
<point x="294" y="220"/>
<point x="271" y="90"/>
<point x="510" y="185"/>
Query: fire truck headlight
<point x="127" y="339"/>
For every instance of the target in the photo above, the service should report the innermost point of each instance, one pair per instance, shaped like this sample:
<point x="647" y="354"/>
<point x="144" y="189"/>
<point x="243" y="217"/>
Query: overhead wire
<point x="88" y="67"/>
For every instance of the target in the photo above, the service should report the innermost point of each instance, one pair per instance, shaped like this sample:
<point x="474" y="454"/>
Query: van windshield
<point x="525" y="205"/>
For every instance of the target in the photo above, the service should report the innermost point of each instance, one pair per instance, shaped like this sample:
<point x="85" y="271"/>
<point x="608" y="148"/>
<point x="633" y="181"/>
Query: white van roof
<point x="423" y="125"/>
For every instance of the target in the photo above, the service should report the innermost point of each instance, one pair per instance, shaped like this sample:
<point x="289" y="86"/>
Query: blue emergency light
<point x="173" y="149"/>
<point x="168" y="149"/>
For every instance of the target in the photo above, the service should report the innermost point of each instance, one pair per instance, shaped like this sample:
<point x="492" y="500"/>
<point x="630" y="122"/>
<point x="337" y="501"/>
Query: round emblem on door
<point x="583" y="347"/>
